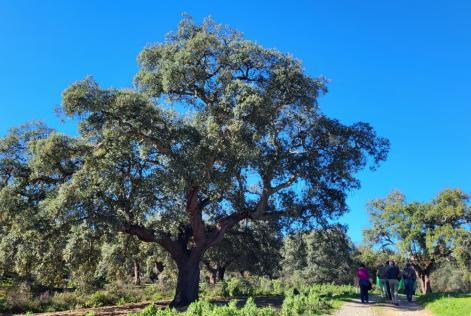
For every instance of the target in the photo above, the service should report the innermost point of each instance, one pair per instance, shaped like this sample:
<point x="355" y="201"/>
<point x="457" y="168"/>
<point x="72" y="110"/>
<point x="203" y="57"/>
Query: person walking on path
<point x="393" y="275"/>
<point x="364" y="282"/>
<point x="383" y="282"/>
<point x="409" y="276"/>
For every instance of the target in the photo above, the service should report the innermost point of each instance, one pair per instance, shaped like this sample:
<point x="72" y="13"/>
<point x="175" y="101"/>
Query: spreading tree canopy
<point x="217" y="130"/>
<point x="425" y="233"/>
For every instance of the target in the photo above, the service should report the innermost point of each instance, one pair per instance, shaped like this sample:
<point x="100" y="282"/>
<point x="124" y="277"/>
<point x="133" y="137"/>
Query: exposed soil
<point x="377" y="307"/>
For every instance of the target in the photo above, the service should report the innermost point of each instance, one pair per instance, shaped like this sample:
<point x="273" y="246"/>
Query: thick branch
<point x="223" y="225"/>
<point x="194" y="208"/>
<point x="149" y="235"/>
<point x="281" y="186"/>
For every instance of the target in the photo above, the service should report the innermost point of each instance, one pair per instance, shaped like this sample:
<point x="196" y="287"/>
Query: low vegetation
<point x="288" y="299"/>
<point x="447" y="304"/>
<point x="311" y="300"/>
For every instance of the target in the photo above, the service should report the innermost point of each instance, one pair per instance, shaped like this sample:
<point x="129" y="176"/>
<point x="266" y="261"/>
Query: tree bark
<point x="220" y="273"/>
<point x="212" y="277"/>
<point x="425" y="283"/>
<point x="137" y="273"/>
<point x="187" y="283"/>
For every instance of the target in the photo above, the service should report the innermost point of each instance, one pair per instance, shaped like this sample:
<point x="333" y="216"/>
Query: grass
<point x="447" y="304"/>
<point x="338" y="301"/>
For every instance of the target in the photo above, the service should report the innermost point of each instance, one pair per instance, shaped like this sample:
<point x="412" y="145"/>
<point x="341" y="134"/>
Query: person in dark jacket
<point x="409" y="276"/>
<point x="393" y="275"/>
<point x="383" y="282"/>
<point x="364" y="282"/>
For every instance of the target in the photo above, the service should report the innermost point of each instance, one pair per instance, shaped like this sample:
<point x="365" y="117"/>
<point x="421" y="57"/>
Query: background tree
<point x="250" y="247"/>
<point x="373" y="258"/>
<point x="320" y="256"/>
<point x="248" y="142"/>
<point x="123" y="257"/>
<point x="32" y="242"/>
<point x="424" y="233"/>
<point x="82" y="253"/>
<point x="452" y="277"/>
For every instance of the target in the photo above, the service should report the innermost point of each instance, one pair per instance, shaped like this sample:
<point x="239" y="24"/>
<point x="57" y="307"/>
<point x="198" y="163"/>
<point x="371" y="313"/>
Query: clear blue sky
<point x="403" y="66"/>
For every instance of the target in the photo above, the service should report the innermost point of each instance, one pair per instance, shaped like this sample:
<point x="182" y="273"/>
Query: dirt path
<point x="378" y="308"/>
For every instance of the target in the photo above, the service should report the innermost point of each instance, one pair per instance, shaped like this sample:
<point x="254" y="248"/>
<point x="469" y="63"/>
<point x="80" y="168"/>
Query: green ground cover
<point x="447" y="304"/>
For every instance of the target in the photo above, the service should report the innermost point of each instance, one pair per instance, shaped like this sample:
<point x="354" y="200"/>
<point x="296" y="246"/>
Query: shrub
<point x="199" y="308"/>
<point x="100" y="298"/>
<point x="304" y="304"/>
<point x="63" y="301"/>
<point x="153" y="310"/>
<point x="313" y="300"/>
<point x="239" y="287"/>
<point x="451" y="278"/>
<point x="265" y="286"/>
<point x="204" y="308"/>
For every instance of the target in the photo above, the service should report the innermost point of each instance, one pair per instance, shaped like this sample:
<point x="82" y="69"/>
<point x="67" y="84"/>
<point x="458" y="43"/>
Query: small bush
<point x="204" y="308"/>
<point x="153" y="310"/>
<point x="64" y="301"/>
<point x="199" y="308"/>
<point x="100" y="298"/>
<point x="305" y="304"/>
<point x="239" y="287"/>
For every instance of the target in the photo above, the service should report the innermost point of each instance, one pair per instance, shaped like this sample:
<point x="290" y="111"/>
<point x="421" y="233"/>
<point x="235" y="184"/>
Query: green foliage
<point x="204" y="308"/>
<point x="321" y="256"/>
<point x="152" y="310"/>
<point x="31" y="243"/>
<point x="304" y="304"/>
<point x="374" y="259"/>
<point x="313" y="300"/>
<point x="252" y="247"/>
<point x="82" y="254"/>
<point x="253" y="145"/>
<point x="247" y="286"/>
<point x="199" y="308"/>
<point x="451" y="277"/>
<point x="239" y="287"/>
<point x="447" y="304"/>
<point x="3" y="302"/>
<point x="19" y="298"/>
<point x="100" y="298"/>
<point x="425" y="233"/>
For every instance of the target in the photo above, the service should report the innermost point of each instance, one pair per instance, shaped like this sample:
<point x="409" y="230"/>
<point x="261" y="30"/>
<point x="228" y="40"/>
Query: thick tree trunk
<point x="187" y="283"/>
<point x="425" y="283"/>
<point x="220" y="273"/>
<point x="137" y="273"/>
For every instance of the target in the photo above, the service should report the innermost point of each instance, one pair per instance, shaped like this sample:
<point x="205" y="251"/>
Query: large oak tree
<point x="217" y="130"/>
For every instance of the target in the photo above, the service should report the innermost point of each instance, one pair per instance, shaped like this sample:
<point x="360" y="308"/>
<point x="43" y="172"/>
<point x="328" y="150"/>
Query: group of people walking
<point x="389" y="276"/>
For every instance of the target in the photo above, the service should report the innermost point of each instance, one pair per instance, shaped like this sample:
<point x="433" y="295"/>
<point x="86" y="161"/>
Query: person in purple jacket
<point x="364" y="282"/>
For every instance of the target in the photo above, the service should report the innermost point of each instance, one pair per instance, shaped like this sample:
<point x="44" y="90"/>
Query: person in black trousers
<point x="364" y="282"/>
<point x="409" y="277"/>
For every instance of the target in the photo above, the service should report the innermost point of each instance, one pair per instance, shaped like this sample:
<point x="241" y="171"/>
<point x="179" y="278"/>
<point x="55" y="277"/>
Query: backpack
<point x="409" y="273"/>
